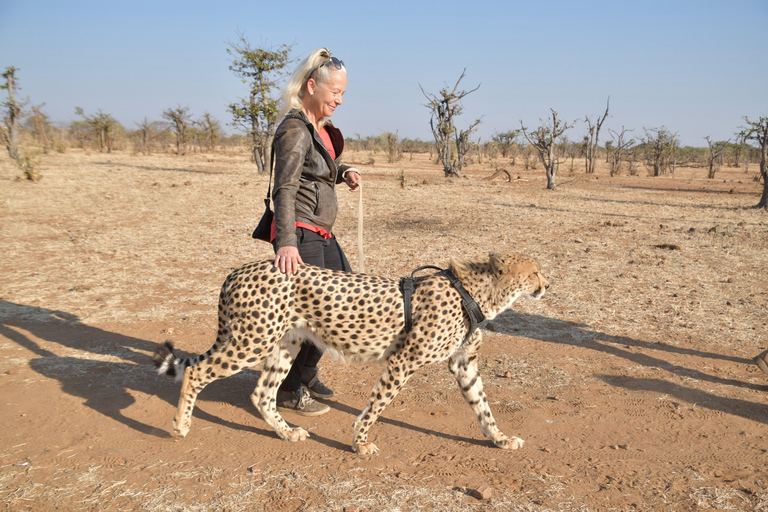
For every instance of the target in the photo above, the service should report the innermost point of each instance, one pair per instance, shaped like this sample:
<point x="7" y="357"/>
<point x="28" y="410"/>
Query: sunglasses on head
<point x="338" y="64"/>
<point x="333" y="61"/>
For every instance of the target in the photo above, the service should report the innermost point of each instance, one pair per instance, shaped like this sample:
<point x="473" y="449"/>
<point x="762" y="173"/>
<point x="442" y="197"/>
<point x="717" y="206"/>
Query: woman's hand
<point x="353" y="179"/>
<point x="287" y="259"/>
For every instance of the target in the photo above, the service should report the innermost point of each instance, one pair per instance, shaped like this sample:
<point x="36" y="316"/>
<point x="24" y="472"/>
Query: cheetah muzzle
<point x="265" y="315"/>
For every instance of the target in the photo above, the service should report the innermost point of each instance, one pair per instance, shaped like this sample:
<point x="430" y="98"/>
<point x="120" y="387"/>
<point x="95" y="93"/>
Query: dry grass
<point x="659" y="296"/>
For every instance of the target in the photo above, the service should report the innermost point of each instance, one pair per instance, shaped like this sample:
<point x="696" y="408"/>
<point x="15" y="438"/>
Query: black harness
<point x="408" y="286"/>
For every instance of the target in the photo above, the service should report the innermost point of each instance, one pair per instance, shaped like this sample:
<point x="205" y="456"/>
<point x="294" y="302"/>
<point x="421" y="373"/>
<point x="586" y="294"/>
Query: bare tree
<point x="715" y="155"/>
<point x="592" y="141"/>
<point x="569" y="150"/>
<point x="757" y="131"/>
<point x="445" y="106"/>
<point x="13" y="112"/>
<point x="660" y="147"/>
<point x="618" y="150"/>
<point x="394" y="148"/>
<point x="463" y="144"/>
<point x="544" y="140"/>
<point x="259" y="69"/>
<point x="41" y="125"/>
<point x="179" y="119"/>
<point x="506" y="141"/>
<point x="148" y="131"/>
<point x="211" y="129"/>
<point x="735" y="153"/>
<point x="102" y="126"/>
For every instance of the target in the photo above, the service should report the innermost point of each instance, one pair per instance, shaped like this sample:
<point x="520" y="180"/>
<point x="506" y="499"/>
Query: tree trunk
<point x="14" y="112"/>
<point x="764" y="199"/>
<point x="551" y="172"/>
<point x="764" y="171"/>
<point x="256" y="155"/>
<point x="451" y="170"/>
<point x="550" y="166"/>
<point x="13" y="139"/>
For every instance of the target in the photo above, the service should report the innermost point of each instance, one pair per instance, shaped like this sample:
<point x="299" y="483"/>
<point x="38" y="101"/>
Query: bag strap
<point x="271" y="167"/>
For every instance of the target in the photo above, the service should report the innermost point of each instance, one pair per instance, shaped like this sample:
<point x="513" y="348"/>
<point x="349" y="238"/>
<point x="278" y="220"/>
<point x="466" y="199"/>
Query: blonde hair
<point x="311" y="67"/>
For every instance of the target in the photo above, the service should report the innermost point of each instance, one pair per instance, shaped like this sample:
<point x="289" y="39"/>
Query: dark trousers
<point x="324" y="253"/>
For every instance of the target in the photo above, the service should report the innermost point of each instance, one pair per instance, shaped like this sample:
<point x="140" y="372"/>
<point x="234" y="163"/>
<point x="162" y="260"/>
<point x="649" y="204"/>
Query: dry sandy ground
<point x="631" y="381"/>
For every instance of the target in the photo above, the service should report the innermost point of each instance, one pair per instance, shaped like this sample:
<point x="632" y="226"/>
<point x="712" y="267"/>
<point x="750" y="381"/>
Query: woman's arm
<point x="291" y="145"/>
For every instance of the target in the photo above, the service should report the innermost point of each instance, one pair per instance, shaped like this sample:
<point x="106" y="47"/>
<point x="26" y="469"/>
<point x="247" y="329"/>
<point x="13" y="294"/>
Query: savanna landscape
<point x="632" y="380"/>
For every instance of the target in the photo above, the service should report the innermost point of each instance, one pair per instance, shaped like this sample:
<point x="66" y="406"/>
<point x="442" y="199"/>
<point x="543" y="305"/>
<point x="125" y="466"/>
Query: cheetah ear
<point x="498" y="265"/>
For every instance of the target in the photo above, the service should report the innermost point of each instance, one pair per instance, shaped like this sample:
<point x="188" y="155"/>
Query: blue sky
<point x="695" y="67"/>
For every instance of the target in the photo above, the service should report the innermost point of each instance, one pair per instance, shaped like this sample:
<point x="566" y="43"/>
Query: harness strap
<point x="470" y="306"/>
<point x="408" y="286"/>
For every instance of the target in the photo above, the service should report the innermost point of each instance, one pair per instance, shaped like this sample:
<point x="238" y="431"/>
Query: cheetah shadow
<point x="641" y="353"/>
<point x="122" y="367"/>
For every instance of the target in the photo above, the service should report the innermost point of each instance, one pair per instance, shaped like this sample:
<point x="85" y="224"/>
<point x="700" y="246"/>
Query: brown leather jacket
<point x="305" y="177"/>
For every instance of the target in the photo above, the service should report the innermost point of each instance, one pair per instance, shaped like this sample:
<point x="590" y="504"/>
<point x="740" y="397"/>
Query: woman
<point x="307" y="151"/>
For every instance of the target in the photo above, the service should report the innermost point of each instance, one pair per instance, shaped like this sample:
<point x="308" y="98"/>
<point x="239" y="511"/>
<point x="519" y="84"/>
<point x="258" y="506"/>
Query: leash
<point x="360" y="260"/>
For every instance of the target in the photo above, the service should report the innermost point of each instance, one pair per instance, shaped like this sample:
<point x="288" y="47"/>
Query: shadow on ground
<point x="122" y="365"/>
<point x="642" y="353"/>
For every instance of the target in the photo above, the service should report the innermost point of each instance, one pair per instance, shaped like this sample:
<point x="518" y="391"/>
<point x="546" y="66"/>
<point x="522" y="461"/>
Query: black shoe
<point x="300" y="402"/>
<point x="311" y="382"/>
<point x="762" y="361"/>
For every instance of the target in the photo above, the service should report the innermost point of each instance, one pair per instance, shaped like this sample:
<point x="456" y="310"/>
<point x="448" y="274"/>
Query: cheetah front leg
<point x="264" y="397"/>
<point x="386" y="389"/>
<point x="463" y="365"/>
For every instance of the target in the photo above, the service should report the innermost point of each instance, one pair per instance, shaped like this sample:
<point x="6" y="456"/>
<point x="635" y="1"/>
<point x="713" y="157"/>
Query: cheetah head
<point x="518" y="276"/>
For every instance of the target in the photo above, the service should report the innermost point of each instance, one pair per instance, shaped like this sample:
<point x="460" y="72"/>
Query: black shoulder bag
<point x="264" y="230"/>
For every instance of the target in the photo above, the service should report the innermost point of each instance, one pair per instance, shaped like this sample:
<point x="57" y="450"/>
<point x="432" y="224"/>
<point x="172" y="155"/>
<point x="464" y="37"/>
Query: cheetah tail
<point x="165" y="360"/>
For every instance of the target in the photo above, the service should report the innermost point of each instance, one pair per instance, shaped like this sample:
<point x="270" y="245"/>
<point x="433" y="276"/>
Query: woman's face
<point x="323" y="99"/>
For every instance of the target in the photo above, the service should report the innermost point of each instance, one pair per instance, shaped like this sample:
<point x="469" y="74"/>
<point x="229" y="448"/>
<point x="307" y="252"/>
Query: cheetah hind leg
<point x="264" y="397"/>
<point x="183" y="418"/>
<point x="465" y="370"/>
<point x="195" y="380"/>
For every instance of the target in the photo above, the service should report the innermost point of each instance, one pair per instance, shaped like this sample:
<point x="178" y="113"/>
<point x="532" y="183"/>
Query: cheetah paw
<point x="365" y="449"/>
<point x="510" y="443"/>
<point x="295" y="434"/>
<point x="180" y="431"/>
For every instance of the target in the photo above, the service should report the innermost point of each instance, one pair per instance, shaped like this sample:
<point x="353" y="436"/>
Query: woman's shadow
<point x="121" y="366"/>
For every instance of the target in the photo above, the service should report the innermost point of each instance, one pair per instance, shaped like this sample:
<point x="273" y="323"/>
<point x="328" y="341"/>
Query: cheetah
<point x="264" y="315"/>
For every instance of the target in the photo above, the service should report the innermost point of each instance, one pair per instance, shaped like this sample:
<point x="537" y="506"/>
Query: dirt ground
<point x="631" y="381"/>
